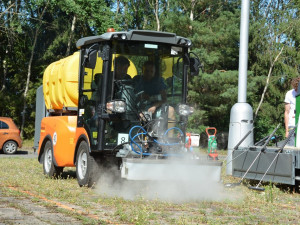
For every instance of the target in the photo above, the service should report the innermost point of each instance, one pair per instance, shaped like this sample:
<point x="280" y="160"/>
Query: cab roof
<point x="136" y="35"/>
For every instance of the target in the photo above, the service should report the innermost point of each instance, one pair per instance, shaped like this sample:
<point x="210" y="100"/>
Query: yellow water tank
<point x="60" y="83"/>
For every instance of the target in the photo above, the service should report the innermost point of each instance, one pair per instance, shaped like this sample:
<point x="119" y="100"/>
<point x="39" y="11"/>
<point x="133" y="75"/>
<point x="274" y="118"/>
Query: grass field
<point x="129" y="203"/>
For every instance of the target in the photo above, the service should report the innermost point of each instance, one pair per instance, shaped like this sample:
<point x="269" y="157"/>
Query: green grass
<point x="27" y="145"/>
<point x="240" y="205"/>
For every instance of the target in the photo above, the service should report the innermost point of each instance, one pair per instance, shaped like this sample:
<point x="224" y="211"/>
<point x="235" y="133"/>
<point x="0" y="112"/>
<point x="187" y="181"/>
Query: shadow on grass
<point x="68" y="174"/>
<point x="19" y="152"/>
<point x="287" y="188"/>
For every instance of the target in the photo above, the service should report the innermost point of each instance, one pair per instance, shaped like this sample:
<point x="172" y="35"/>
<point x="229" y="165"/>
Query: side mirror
<point x="195" y="66"/>
<point x="90" y="57"/>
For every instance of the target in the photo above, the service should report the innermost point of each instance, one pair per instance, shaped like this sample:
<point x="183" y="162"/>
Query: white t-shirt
<point x="290" y="98"/>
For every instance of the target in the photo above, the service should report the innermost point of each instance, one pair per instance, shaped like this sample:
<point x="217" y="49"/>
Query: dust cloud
<point x="174" y="182"/>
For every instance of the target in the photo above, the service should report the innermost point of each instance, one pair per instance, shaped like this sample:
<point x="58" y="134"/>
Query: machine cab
<point x="131" y="83"/>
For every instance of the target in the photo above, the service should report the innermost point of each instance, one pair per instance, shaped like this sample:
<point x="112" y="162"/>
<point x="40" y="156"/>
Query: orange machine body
<point x="64" y="134"/>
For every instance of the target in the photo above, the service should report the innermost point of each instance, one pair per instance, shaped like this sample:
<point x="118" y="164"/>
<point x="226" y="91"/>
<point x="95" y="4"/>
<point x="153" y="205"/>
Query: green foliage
<point x="197" y="121"/>
<point x="213" y="27"/>
<point x="214" y="94"/>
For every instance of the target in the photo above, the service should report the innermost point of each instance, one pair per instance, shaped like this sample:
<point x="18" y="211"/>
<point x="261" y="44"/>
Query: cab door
<point x="91" y="77"/>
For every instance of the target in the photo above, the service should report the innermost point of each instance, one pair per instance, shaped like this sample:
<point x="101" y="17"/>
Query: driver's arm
<point x="159" y="103"/>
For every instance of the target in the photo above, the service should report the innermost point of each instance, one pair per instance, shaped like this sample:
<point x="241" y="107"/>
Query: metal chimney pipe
<point x="243" y="54"/>
<point x="241" y="114"/>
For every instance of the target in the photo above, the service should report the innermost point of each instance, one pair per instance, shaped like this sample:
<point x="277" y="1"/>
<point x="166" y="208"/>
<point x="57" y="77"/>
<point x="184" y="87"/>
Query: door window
<point x="3" y="125"/>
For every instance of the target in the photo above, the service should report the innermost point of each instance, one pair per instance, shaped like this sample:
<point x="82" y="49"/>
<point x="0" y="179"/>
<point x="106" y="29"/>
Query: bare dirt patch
<point x="21" y="210"/>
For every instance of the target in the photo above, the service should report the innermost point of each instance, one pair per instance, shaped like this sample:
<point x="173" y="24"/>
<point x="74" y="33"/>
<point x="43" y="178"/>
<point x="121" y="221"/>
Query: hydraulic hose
<point x="146" y="133"/>
<point x="167" y="131"/>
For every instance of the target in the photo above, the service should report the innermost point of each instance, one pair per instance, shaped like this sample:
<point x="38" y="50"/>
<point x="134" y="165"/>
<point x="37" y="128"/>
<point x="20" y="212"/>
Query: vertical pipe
<point x="241" y="114"/>
<point x="243" y="54"/>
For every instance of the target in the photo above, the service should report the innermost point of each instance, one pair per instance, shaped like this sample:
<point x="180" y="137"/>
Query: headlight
<point x="185" y="110"/>
<point x="123" y="37"/>
<point x="117" y="106"/>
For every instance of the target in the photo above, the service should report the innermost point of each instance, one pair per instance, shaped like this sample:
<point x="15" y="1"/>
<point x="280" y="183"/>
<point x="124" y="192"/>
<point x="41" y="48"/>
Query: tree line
<point x="35" y="33"/>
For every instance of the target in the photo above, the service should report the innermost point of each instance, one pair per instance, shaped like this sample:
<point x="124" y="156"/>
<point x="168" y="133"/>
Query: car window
<point x="3" y="125"/>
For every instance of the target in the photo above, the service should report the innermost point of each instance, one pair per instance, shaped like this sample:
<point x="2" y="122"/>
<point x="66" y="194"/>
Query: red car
<point x="10" y="138"/>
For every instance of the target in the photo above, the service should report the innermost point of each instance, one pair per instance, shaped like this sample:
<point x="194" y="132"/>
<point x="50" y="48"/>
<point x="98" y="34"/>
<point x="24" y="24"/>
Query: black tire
<point x="10" y="147"/>
<point x="49" y="168"/>
<point x="297" y="186"/>
<point x="86" y="166"/>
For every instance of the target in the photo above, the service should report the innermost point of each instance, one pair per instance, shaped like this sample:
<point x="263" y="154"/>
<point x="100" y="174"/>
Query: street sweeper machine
<point x="120" y="101"/>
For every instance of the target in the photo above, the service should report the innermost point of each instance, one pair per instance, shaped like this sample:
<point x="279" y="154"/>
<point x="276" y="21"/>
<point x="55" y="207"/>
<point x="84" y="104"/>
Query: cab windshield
<point x="155" y="72"/>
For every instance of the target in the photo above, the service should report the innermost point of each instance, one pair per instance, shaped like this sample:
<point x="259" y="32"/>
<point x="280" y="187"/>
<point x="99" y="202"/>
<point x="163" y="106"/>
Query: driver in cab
<point x="153" y="89"/>
<point x="121" y="66"/>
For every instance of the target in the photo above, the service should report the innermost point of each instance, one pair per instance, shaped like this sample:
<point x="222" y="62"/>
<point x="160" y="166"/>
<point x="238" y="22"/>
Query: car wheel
<point x="10" y="147"/>
<point x="49" y="168"/>
<point x="86" y="166"/>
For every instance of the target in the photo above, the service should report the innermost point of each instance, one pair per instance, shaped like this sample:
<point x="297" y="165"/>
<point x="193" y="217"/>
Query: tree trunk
<point x="126" y="18"/>
<point x="156" y="14"/>
<point x="27" y="81"/>
<point x="4" y="70"/>
<point x="71" y="36"/>
<point x="145" y="23"/>
<point x="155" y="7"/>
<point x="267" y="82"/>
<point x="193" y="3"/>
<point x="9" y="11"/>
<point x="29" y="70"/>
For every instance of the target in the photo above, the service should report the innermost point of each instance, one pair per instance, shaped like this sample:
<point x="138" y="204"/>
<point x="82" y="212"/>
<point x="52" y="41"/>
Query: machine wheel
<point x="297" y="186"/>
<point x="86" y="166"/>
<point x="10" y="147"/>
<point x="49" y="168"/>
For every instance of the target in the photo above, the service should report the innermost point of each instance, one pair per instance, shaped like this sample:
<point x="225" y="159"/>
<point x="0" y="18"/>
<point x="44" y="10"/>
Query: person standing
<point x="289" y="112"/>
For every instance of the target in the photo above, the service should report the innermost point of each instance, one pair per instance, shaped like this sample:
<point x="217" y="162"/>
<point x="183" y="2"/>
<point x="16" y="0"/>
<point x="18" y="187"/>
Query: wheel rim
<point x="10" y="147"/>
<point x="48" y="160"/>
<point x="82" y="165"/>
